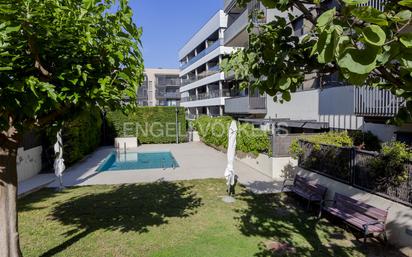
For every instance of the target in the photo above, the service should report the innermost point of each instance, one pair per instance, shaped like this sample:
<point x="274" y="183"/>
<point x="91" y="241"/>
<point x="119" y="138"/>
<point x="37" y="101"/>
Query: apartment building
<point x="204" y="89"/>
<point x="320" y="104"/>
<point x="160" y="88"/>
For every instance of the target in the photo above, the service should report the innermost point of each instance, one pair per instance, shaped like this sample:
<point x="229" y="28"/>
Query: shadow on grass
<point x="125" y="208"/>
<point x="284" y="222"/>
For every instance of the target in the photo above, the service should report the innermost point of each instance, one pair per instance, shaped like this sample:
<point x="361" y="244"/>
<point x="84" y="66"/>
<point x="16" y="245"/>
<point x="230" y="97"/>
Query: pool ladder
<point x="162" y="164"/>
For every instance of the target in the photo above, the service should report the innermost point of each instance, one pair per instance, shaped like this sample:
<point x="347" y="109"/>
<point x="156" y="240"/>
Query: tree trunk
<point x="9" y="236"/>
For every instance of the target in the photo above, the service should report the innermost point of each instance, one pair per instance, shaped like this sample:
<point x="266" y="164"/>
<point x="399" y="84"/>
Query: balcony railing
<point x="246" y="105"/>
<point x="374" y="102"/>
<point x="209" y="95"/>
<point x="168" y="95"/>
<point x="212" y="71"/>
<point x="169" y="82"/>
<point x="202" y="54"/>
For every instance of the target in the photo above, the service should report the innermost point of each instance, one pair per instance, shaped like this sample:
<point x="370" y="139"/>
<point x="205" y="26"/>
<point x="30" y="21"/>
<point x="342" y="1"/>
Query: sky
<point x="168" y="25"/>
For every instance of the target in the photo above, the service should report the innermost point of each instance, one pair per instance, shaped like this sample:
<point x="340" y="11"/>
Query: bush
<point x="151" y="125"/>
<point x="214" y="132"/>
<point x="388" y="168"/>
<point x="81" y="136"/>
<point x="338" y="139"/>
<point x="365" y="140"/>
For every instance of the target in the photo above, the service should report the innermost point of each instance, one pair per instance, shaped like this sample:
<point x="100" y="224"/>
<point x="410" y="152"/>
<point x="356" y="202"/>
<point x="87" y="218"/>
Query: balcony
<point x="168" y="95"/>
<point x="246" y="105"/>
<point x="229" y="4"/>
<point x="237" y="27"/>
<point x="213" y="70"/>
<point x="202" y="54"/>
<point x="169" y="83"/>
<point x="209" y="95"/>
<point x="373" y="102"/>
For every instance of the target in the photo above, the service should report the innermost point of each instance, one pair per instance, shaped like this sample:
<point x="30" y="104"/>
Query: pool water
<point x="138" y="161"/>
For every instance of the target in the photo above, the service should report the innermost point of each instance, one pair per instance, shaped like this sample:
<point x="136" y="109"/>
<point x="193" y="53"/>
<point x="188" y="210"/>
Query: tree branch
<point x="301" y="7"/>
<point x="387" y="75"/>
<point x="35" y="53"/>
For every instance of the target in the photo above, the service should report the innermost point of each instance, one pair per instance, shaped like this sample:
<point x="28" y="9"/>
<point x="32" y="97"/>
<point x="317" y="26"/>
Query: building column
<point x="221" y="33"/>
<point x="221" y="110"/>
<point x="221" y="88"/>
<point x="208" y="111"/>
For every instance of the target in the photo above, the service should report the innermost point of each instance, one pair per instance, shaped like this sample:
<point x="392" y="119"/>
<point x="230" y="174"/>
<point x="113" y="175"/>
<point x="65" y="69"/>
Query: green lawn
<point x="176" y="219"/>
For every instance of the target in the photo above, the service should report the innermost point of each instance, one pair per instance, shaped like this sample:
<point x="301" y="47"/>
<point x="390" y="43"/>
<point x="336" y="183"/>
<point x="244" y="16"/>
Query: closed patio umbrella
<point x="231" y="151"/>
<point x="59" y="161"/>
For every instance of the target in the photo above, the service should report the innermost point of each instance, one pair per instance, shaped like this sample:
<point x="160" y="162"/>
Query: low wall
<point x="275" y="167"/>
<point x="29" y="162"/>
<point x="399" y="223"/>
<point x="262" y="163"/>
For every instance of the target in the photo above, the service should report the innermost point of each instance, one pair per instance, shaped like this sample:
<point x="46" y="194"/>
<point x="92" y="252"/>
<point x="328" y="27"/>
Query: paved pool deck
<point x="196" y="161"/>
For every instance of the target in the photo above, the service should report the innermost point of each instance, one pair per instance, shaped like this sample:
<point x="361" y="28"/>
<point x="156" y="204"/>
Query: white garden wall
<point x="29" y="162"/>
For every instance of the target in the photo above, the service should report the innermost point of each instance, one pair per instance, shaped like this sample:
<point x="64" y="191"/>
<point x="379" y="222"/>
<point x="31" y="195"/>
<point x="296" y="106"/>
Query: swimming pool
<point x="137" y="161"/>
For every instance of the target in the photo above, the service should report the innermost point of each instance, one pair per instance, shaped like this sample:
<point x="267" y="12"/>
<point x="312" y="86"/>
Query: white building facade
<point x="204" y="90"/>
<point x="160" y="88"/>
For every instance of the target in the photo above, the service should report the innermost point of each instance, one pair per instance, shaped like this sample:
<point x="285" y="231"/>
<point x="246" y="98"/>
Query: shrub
<point x="214" y="131"/>
<point x="151" y="125"/>
<point x="338" y="139"/>
<point x="366" y="140"/>
<point x="388" y="168"/>
<point x="81" y="135"/>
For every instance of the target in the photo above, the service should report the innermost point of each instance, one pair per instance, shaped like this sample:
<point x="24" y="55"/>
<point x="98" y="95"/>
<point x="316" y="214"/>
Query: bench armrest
<point x="284" y="185"/>
<point x="373" y="223"/>
<point x="322" y="203"/>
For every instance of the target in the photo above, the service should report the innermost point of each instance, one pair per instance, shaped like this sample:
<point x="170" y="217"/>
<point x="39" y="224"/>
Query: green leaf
<point x="286" y="96"/>
<point x="87" y="4"/>
<point x="326" y="46"/>
<point x="269" y="3"/>
<point x="406" y="40"/>
<point x="374" y="35"/>
<point x="407" y="3"/>
<point x="284" y="83"/>
<point x="359" y="61"/>
<point x="326" y="18"/>
<point x="404" y="15"/>
<point x="370" y="15"/>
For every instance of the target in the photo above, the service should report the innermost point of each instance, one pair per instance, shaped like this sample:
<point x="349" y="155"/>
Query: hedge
<point x="214" y="131"/>
<point x="81" y="136"/>
<point x="151" y="125"/>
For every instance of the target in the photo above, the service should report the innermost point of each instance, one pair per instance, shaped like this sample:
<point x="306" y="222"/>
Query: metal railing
<point x="257" y="102"/>
<point x="168" y="82"/>
<point x="246" y="104"/>
<point x="353" y="167"/>
<point x="209" y="95"/>
<point x="168" y="95"/>
<point x="374" y="102"/>
<point x="203" y="53"/>
<point x="212" y="71"/>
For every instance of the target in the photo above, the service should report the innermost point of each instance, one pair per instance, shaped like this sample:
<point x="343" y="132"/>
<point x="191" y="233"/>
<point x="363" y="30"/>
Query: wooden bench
<point x="366" y="218"/>
<point x="309" y="190"/>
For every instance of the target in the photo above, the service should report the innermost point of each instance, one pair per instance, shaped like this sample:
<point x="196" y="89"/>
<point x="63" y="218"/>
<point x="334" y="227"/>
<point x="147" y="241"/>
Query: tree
<point x="56" y="58"/>
<point x="366" y="46"/>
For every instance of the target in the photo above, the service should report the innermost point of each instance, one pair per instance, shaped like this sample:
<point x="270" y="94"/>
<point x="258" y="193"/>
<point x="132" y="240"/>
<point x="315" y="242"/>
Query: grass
<point x="177" y="219"/>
